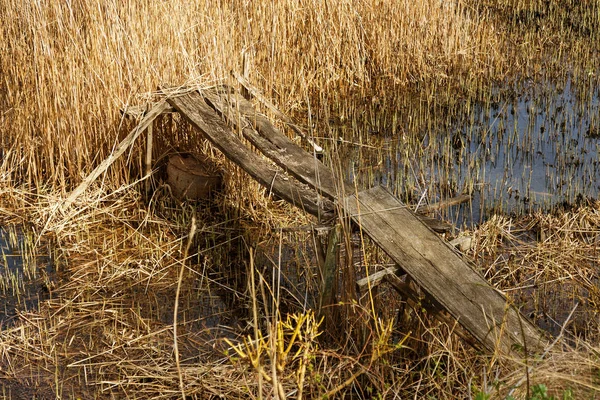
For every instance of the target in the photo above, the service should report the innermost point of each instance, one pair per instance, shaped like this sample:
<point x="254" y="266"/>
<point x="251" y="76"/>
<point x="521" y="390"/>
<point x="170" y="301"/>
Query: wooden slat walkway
<point x="464" y="293"/>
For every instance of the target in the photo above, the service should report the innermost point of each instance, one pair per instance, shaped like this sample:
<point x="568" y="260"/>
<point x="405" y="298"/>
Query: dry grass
<point x="106" y="329"/>
<point x="69" y="67"/>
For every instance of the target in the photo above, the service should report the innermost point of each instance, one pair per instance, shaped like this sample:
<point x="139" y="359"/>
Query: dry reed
<point x="107" y="329"/>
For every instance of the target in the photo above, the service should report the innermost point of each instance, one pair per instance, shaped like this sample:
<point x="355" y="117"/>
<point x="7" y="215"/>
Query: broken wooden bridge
<point x="302" y="180"/>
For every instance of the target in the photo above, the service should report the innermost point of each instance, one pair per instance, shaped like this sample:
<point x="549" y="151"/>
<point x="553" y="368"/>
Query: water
<point x="536" y="151"/>
<point x="525" y="147"/>
<point x="25" y="275"/>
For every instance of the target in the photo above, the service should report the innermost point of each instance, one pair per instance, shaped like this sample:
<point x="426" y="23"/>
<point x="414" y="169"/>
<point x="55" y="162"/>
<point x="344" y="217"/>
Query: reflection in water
<point x="24" y="275"/>
<point x="523" y="148"/>
<point x="537" y="150"/>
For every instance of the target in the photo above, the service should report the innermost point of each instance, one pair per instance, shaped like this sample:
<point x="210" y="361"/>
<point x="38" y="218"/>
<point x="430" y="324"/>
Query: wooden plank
<point x="375" y="278"/>
<point x="138" y="111"/>
<point x="259" y="131"/>
<point x="149" y="117"/>
<point x="258" y="95"/>
<point x="193" y="107"/>
<point x="463" y="198"/>
<point x="482" y="310"/>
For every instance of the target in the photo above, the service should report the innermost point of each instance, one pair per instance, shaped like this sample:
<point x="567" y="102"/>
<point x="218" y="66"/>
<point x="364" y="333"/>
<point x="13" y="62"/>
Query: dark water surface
<point x="525" y="147"/>
<point x="24" y="274"/>
<point x="534" y="151"/>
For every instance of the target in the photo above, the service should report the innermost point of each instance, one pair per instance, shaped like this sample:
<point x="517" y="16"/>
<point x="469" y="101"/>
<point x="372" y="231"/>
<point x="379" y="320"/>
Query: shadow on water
<point x="26" y="276"/>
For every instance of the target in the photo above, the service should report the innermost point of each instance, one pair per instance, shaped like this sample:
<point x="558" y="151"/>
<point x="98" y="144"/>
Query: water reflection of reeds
<point x="522" y="148"/>
<point x="25" y="275"/>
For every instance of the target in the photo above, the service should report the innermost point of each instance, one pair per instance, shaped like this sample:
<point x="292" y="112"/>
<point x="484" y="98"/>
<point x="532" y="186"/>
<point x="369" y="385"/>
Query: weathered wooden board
<point x="193" y="107"/>
<point x="278" y="147"/>
<point x="463" y="198"/>
<point x="482" y="310"/>
<point x="259" y="131"/>
<point x="375" y="278"/>
<point x="139" y="111"/>
<point x="259" y="96"/>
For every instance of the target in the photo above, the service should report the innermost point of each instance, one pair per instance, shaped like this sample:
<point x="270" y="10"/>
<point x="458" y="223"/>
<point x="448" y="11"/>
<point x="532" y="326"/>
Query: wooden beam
<point x="376" y="278"/>
<point x="463" y="198"/>
<point x="258" y="95"/>
<point x="259" y="131"/>
<point x="193" y="107"/>
<point x="481" y="309"/>
<point x="149" y="117"/>
<point x="137" y="112"/>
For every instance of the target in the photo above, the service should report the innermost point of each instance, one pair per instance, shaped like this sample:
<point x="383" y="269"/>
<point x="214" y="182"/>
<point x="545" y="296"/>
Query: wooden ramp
<point x="301" y="179"/>
<point x="438" y="269"/>
<point x="482" y="310"/>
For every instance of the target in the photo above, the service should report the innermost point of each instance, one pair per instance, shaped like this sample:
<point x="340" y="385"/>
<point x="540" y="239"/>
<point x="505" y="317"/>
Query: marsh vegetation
<point x="498" y="99"/>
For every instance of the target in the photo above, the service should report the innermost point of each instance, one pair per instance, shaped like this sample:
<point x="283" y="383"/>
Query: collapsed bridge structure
<point x="301" y="179"/>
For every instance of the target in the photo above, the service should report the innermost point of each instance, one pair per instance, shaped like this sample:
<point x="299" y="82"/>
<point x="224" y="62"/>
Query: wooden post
<point x="329" y="268"/>
<point x="148" y="163"/>
<point x="245" y="73"/>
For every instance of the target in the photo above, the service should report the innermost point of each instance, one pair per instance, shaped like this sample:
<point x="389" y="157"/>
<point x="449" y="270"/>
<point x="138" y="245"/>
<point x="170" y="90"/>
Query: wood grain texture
<point x="193" y="107"/>
<point x="481" y="309"/>
<point x="259" y="131"/>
